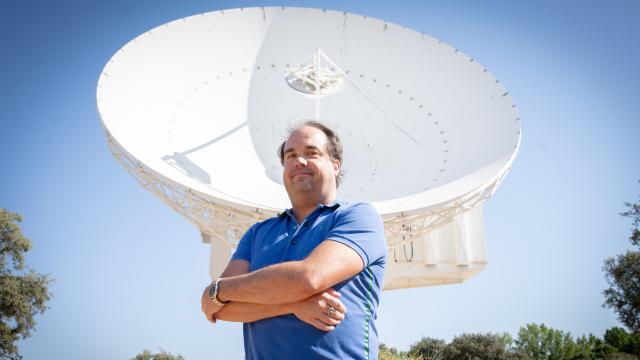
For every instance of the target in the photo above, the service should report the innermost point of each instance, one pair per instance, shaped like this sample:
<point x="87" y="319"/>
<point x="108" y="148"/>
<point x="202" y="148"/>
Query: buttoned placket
<point x="296" y="231"/>
<point x="296" y="228"/>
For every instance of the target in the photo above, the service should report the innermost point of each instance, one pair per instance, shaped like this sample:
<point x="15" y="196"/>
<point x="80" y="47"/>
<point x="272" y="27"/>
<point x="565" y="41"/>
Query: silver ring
<point x="331" y="311"/>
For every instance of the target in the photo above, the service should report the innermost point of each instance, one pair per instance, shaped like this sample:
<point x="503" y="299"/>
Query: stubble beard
<point x="303" y="187"/>
<point x="306" y="189"/>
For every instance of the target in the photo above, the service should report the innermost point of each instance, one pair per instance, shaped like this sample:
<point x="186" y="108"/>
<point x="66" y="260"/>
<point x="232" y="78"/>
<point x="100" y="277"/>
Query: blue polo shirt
<point x="281" y="239"/>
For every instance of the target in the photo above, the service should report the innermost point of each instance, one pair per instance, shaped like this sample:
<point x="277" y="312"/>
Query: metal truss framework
<point x="403" y="228"/>
<point x="227" y="224"/>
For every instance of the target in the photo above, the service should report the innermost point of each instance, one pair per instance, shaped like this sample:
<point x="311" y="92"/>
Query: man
<point x="306" y="283"/>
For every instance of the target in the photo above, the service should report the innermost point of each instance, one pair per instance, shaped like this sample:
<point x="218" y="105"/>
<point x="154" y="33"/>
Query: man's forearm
<point x="248" y="312"/>
<point x="328" y="264"/>
<point x="276" y="284"/>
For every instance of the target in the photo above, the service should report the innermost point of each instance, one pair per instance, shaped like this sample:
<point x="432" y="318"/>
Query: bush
<point x="534" y="342"/>
<point x="391" y="353"/>
<point x="427" y="348"/>
<point x="482" y="347"/>
<point x="162" y="355"/>
<point x="620" y="356"/>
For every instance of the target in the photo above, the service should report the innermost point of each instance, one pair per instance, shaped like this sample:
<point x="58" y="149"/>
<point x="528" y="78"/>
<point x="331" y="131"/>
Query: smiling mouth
<point x="299" y="174"/>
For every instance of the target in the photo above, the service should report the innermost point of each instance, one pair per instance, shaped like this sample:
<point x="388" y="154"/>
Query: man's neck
<point x="302" y="209"/>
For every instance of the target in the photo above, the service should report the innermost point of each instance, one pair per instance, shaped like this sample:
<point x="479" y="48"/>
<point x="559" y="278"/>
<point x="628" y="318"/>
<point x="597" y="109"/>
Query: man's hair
<point x="333" y="146"/>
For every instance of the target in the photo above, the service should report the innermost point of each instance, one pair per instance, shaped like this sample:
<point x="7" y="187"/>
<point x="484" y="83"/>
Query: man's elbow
<point x="313" y="282"/>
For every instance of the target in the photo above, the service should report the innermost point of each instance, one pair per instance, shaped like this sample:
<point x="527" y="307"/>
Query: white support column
<point x="431" y="241"/>
<point x="462" y="246"/>
<point x="219" y="256"/>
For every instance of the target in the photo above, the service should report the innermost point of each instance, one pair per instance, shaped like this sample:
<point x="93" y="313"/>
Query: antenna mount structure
<point x="195" y="109"/>
<point x="316" y="76"/>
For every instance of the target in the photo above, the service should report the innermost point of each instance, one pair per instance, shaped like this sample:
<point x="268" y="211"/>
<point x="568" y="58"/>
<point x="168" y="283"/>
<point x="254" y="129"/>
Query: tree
<point x="427" y="348"/>
<point x="623" y="276"/>
<point x="391" y="353"/>
<point x="622" y="341"/>
<point x="481" y="347"/>
<point x="23" y="292"/>
<point x="387" y="353"/>
<point x="539" y="342"/>
<point x="591" y="347"/>
<point x="618" y="338"/>
<point x="162" y="355"/>
<point x="633" y="212"/>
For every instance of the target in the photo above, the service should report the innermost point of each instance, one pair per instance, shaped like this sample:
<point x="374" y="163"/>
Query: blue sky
<point x="129" y="271"/>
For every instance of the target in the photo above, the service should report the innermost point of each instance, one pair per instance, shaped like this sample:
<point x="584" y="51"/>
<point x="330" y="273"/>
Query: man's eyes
<point x="309" y="154"/>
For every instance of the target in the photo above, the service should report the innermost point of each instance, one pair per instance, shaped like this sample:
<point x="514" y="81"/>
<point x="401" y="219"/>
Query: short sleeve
<point x="360" y="227"/>
<point x="243" y="251"/>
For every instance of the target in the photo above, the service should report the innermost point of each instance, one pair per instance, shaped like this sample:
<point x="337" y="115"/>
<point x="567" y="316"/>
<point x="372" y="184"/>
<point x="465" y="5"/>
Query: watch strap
<point x="213" y="293"/>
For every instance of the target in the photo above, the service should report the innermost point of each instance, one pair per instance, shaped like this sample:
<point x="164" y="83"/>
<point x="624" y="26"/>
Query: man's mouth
<point x="300" y="173"/>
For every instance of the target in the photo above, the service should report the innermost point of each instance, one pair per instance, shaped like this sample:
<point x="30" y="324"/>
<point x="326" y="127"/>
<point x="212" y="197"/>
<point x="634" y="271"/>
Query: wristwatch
<point x="213" y="293"/>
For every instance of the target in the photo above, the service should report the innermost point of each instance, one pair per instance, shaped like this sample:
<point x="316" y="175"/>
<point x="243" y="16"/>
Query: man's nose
<point x="300" y="161"/>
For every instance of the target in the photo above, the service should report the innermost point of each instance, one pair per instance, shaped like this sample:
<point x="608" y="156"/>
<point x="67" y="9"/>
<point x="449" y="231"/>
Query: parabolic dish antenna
<point x="196" y="108"/>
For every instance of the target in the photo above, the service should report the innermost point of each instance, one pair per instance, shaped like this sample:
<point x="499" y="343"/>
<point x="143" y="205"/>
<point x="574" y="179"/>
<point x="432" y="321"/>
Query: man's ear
<point x="337" y="166"/>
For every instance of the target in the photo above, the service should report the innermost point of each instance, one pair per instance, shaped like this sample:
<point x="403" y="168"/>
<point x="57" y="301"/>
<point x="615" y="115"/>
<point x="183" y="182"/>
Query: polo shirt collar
<point x="333" y="205"/>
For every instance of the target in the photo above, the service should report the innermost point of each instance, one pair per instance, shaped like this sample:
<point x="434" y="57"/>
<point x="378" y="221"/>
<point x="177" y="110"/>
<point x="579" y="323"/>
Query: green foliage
<point x="481" y="347"/>
<point x="22" y="293"/>
<point x="539" y="342"/>
<point x="391" y="353"/>
<point x="617" y="337"/>
<point x="534" y="342"/>
<point x="623" y="295"/>
<point x="427" y="348"/>
<point x="162" y="355"/>
<point x="385" y="352"/>
<point x="591" y="347"/>
<point x="623" y="276"/>
<point x="620" y="356"/>
<point x="622" y="341"/>
<point x="633" y="212"/>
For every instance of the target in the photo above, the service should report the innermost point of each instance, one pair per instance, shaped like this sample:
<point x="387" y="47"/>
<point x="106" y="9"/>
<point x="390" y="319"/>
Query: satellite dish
<point x="196" y="108"/>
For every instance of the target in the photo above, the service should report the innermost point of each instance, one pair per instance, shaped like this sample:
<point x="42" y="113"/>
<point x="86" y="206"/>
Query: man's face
<point x="308" y="168"/>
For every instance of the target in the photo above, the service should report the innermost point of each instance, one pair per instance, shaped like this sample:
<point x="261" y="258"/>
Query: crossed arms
<point x="302" y="288"/>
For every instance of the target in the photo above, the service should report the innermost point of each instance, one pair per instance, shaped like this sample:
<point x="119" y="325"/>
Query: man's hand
<point x="315" y="310"/>
<point x="208" y="307"/>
